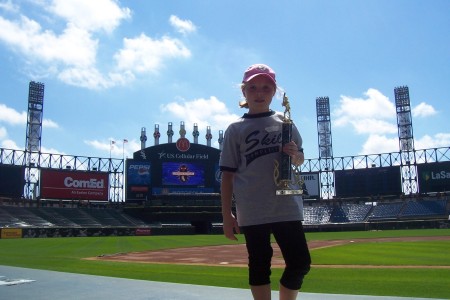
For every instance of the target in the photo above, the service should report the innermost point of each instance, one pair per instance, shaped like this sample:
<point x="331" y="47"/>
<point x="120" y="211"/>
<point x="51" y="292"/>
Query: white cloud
<point x="104" y="146"/>
<point x="369" y="115"/>
<point x="375" y="116"/>
<point x="379" y="144"/>
<point x="436" y="141"/>
<point x="182" y="26"/>
<point x="144" y="54"/>
<point x="204" y="112"/>
<point x="84" y="77"/>
<point x="373" y="126"/>
<point x="118" y="149"/>
<point x="9" y="6"/>
<point x="3" y="133"/>
<point x="10" y="144"/>
<point x="12" y="117"/>
<point x="52" y="150"/>
<point x="91" y="15"/>
<point x="73" y="47"/>
<point x="46" y="123"/>
<point x="71" y="54"/>
<point x="423" y="110"/>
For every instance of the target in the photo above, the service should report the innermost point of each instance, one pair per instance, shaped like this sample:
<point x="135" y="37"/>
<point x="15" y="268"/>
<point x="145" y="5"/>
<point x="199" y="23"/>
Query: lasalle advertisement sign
<point x="74" y="185"/>
<point x="434" y="177"/>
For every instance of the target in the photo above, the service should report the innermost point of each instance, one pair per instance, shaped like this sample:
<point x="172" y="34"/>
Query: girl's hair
<point x="243" y="103"/>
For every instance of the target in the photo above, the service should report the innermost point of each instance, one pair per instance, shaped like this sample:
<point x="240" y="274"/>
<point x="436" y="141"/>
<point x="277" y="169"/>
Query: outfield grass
<point x="66" y="254"/>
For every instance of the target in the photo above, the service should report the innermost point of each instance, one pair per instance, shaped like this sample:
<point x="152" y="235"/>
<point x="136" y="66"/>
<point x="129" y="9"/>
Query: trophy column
<point x="283" y="172"/>
<point x="286" y="136"/>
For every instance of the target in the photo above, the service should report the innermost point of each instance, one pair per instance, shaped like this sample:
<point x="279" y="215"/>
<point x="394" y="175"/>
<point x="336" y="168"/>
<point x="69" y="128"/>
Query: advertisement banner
<point x="11" y="233"/>
<point x="138" y="178"/>
<point x="434" y="177"/>
<point x="311" y="184"/>
<point x="78" y="185"/>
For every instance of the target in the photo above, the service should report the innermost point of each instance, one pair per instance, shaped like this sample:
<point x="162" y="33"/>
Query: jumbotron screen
<point x="173" y="168"/>
<point x="183" y="173"/>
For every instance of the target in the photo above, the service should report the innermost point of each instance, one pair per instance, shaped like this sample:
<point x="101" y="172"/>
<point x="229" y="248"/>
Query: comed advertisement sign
<point x="434" y="177"/>
<point x="77" y="185"/>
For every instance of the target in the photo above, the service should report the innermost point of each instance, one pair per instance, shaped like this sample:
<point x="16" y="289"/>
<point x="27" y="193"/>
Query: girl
<point x="250" y="147"/>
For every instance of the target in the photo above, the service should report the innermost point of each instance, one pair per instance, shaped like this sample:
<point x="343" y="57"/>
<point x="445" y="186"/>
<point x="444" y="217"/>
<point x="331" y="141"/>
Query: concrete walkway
<point x="25" y="284"/>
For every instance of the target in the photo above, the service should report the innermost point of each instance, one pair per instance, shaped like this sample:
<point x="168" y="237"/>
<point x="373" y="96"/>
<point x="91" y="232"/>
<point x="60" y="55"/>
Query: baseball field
<point x="410" y="263"/>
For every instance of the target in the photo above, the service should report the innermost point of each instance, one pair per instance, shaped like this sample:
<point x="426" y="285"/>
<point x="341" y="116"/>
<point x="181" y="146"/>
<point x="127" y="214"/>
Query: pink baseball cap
<point x="257" y="70"/>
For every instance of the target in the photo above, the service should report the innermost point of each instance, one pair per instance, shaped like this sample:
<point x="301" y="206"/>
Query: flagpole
<point x="111" y="143"/>
<point x="123" y="148"/>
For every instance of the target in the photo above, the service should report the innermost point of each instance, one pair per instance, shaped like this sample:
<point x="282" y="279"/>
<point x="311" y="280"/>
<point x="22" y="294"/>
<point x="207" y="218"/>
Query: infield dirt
<point x="236" y="255"/>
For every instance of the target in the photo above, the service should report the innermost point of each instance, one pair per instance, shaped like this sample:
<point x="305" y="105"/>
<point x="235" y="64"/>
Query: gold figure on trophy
<point x="282" y="174"/>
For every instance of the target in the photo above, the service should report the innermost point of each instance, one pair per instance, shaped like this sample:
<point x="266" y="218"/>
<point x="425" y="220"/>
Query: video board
<point x="74" y="185"/>
<point x="368" y="182"/>
<point x="434" y="177"/>
<point x="173" y="168"/>
<point x="138" y="179"/>
<point x="183" y="173"/>
<point x="12" y="180"/>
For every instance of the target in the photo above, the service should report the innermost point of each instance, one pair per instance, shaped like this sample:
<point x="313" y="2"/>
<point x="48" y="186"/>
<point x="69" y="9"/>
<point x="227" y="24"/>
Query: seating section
<point x="349" y="212"/>
<point x="317" y="214"/>
<point x="386" y="211"/>
<point x="356" y="212"/>
<point x="424" y="208"/>
<point x="6" y="219"/>
<point x="52" y="215"/>
<point x="13" y="216"/>
<point x="314" y="214"/>
<point x="344" y="213"/>
<point x="23" y="217"/>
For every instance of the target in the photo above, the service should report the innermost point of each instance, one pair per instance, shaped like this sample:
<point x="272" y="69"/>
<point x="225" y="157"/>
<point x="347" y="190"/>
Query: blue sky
<point x="112" y="67"/>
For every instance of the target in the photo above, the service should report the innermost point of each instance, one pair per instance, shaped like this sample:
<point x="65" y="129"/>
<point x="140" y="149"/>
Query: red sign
<point x="183" y="144"/>
<point x="59" y="184"/>
<point x="143" y="231"/>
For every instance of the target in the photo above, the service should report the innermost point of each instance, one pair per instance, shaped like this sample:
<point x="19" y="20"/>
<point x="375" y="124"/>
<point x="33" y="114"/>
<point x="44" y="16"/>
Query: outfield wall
<point x="186" y="229"/>
<point x="16" y="233"/>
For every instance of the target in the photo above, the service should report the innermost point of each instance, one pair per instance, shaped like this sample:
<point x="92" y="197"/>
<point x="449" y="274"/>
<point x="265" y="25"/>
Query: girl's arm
<point x="296" y="155"/>
<point x="230" y="225"/>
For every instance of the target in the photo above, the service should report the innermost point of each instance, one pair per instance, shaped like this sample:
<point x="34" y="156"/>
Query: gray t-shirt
<point x="250" y="147"/>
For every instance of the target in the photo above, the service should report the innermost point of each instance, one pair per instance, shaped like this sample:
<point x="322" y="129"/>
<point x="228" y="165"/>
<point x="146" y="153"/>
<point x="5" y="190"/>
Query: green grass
<point x="66" y="254"/>
<point x="430" y="253"/>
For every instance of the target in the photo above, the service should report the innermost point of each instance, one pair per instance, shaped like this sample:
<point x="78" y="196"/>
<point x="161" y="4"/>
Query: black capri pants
<point x="290" y="237"/>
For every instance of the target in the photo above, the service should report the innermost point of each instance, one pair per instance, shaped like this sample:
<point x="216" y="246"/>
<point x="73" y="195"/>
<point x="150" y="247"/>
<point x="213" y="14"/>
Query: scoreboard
<point x="368" y="182"/>
<point x="172" y="168"/>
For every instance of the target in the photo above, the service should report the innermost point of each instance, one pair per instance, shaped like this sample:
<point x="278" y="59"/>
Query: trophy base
<point x="286" y="192"/>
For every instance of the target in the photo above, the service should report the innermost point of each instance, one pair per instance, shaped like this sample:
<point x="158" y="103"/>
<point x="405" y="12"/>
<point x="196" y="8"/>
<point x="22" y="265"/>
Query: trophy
<point x="282" y="174"/>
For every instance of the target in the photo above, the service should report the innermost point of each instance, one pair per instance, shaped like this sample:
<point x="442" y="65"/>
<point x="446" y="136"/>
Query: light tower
<point x="406" y="140"/>
<point x="325" y="147"/>
<point x="33" y="137"/>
